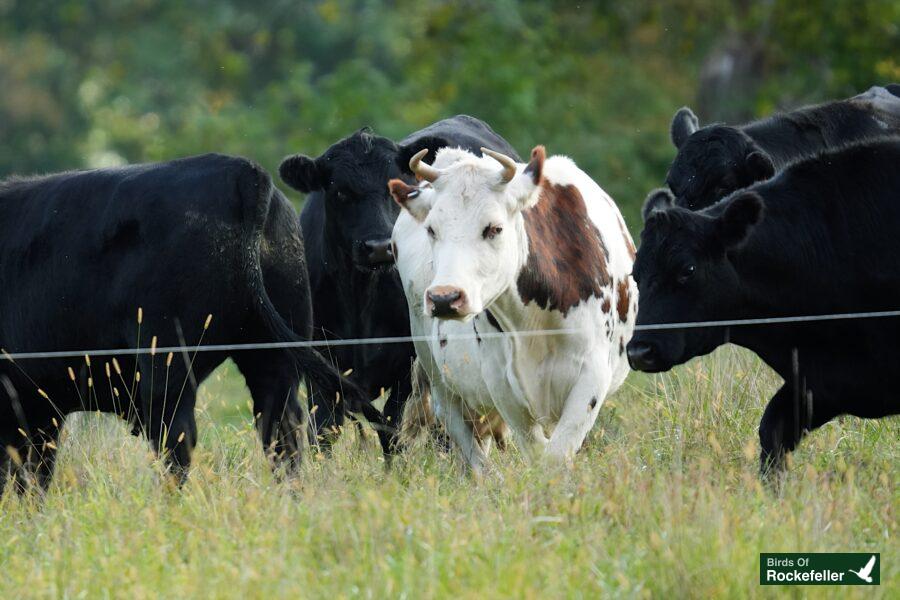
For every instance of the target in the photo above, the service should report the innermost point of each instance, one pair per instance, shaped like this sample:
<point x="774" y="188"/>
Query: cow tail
<point x="256" y="195"/>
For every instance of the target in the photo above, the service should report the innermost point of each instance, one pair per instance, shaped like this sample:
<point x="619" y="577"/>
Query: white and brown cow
<point x="484" y="246"/>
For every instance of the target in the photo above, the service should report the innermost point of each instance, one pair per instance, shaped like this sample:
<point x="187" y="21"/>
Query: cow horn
<point x="509" y="165"/>
<point x="423" y="170"/>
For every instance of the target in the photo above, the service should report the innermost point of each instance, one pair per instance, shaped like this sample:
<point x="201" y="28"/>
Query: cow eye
<point x="491" y="231"/>
<point x="686" y="274"/>
<point x="431" y="233"/>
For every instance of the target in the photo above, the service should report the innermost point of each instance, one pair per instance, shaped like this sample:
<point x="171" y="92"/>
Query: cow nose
<point x="445" y="301"/>
<point x="378" y="252"/>
<point x="641" y="356"/>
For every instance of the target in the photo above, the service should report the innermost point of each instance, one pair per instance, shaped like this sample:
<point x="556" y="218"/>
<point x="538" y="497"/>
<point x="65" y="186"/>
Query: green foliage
<point x="90" y="83"/>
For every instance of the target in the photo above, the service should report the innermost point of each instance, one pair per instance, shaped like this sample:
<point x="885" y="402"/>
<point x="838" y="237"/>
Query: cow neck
<point x="785" y="138"/>
<point x="763" y="266"/>
<point x="357" y="287"/>
<point x="366" y="288"/>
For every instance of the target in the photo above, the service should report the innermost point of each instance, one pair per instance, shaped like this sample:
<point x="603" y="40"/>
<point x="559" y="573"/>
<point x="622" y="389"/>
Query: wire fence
<point x="152" y="350"/>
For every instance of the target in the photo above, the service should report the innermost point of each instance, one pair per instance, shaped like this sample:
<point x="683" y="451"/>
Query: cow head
<point x="685" y="274"/>
<point x="471" y="208"/>
<point x="351" y="176"/>
<point x="712" y="162"/>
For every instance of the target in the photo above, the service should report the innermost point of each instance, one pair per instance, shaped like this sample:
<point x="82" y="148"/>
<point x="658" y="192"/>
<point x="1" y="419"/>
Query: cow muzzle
<point x="642" y="356"/>
<point x="446" y="302"/>
<point x="378" y="252"/>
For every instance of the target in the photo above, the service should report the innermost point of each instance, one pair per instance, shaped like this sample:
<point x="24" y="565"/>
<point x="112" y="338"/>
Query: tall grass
<point x="664" y="501"/>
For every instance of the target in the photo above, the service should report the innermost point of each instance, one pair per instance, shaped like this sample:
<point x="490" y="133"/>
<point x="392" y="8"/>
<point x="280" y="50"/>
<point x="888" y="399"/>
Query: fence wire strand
<point x="331" y="343"/>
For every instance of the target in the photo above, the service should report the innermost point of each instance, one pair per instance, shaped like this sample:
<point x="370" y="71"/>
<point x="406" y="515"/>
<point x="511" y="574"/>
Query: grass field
<point x="664" y="501"/>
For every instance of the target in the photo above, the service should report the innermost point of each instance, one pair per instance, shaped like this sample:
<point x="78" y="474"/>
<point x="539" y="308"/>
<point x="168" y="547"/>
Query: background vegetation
<point x="97" y="82"/>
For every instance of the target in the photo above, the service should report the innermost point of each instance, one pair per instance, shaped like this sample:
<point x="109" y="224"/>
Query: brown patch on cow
<point x="567" y="259"/>
<point x="623" y="300"/>
<point x="402" y="191"/>
<point x="606" y="305"/>
<point x="535" y="166"/>
<point x="621" y="346"/>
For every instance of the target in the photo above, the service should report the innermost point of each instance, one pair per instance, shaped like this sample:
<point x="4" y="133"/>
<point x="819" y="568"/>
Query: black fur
<point x="684" y="124"/>
<point x="80" y="252"/>
<point x="718" y="159"/>
<point x="658" y="199"/>
<point x="824" y="243"/>
<point x="351" y="297"/>
<point x="302" y="173"/>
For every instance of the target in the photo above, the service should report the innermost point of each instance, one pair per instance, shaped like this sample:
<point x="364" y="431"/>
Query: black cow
<point x="81" y="252"/>
<point x="818" y="239"/>
<point x="716" y="160"/>
<point x="347" y="223"/>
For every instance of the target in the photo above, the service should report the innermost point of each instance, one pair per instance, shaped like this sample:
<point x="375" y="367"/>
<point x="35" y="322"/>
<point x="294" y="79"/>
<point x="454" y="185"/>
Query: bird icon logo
<point x="866" y="572"/>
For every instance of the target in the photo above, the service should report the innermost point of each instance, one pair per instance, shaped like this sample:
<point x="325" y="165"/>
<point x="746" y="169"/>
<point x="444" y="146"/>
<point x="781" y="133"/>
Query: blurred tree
<point x="97" y="82"/>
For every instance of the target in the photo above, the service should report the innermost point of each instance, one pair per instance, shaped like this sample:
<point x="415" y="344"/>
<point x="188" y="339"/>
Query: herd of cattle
<point x="449" y="239"/>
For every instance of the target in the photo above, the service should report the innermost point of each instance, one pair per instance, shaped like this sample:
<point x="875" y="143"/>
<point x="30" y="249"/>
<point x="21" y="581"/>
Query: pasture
<point x="664" y="501"/>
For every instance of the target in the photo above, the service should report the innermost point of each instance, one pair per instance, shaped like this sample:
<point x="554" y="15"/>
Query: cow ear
<point x="741" y="215"/>
<point x="301" y="173"/>
<point x="684" y="123"/>
<point x="430" y="142"/>
<point x="409" y="197"/>
<point x="760" y="165"/>
<point x="520" y="191"/>
<point x="535" y="167"/>
<point x="657" y="200"/>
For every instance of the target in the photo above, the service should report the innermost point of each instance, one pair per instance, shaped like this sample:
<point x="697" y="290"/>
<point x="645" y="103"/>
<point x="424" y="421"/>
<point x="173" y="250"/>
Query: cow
<point x="491" y="253"/>
<point x="197" y="251"/>
<point x="818" y="239"/>
<point x="356" y="293"/>
<point x="717" y="159"/>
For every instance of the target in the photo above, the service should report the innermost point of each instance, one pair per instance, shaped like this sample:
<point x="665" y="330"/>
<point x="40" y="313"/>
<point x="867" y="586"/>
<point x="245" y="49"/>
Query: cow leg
<point x="578" y="415"/>
<point x="327" y="418"/>
<point x="178" y="436"/>
<point x="449" y="411"/>
<point x="778" y="432"/>
<point x="418" y="417"/>
<point x="167" y="407"/>
<point x="499" y="431"/>
<point x="393" y="410"/>
<point x="45" y="442"/>
<point x="273" y="382"/>
<point x="528" y="432"/>
<point x="5" y="466"/>
<point x="788" y="417"/>
<point x="30" y="463"/>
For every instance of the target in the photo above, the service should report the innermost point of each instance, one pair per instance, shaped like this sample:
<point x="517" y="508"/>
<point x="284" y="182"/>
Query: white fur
<point x="542" y="386"/>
